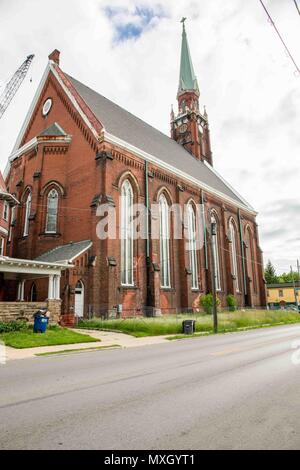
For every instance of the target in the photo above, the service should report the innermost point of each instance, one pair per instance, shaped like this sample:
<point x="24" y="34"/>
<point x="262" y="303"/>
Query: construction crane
<point x="13" y="85"/>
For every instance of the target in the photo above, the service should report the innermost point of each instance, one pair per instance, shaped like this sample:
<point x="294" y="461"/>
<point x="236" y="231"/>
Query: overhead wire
<point x="281" y="38"/>
<point x="297" y="6"/>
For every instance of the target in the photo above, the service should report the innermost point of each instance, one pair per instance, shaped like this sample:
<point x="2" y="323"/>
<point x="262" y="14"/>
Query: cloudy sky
<point x="129" y="51"/>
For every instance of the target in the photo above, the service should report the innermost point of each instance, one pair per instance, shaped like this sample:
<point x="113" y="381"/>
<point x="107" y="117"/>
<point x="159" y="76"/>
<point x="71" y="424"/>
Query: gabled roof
<point x="66" y="253"/>
<point x="131" y="129"/>
<point x="53" y="130"/>
<point x="103" y="116"/>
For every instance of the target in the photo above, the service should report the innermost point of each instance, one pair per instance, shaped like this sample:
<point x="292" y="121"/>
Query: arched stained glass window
<point x="164" y="235"/>
<point x="192" y="247"/>
<point x="27" y="214"/>
<point x="233" y="247"/>
<point x="52" y="211"/>
<point x="126" y="234"/>
<point x="215" y="249"/>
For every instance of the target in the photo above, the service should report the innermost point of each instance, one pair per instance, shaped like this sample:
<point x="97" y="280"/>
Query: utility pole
<point x="213" y="233"/>
<point x="294" y="285"/>
<point x="298" y="291"/>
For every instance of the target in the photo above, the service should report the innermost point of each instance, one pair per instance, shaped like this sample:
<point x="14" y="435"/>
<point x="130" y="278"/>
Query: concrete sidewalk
<point x="107" y="338"/>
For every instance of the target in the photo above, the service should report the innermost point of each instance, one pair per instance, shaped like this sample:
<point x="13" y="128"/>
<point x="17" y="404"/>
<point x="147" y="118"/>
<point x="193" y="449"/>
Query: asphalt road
<point x="234" y="391"/>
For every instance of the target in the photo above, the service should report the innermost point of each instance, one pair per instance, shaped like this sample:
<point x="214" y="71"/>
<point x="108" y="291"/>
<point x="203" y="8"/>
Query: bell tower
<point x="189" y="127"/>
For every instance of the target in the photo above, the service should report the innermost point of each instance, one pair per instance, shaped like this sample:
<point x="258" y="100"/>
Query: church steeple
<point x="187" y="77"/>
<point x="189" y="127"/>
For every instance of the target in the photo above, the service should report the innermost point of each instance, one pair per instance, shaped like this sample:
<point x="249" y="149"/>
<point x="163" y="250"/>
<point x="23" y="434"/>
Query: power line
<point x="296" y="4"/>
<point x="280" y="37"/>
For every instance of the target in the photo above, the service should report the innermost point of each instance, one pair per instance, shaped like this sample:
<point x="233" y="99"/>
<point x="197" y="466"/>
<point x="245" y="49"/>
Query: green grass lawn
<point x="54" y="335"/>
<point x="168" y="325"/>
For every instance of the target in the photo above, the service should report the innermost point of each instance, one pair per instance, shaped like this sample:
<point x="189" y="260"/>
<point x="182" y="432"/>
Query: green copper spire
<point x="187" y="77"/>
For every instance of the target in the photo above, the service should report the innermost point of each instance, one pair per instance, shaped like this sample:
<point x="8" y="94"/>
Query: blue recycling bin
<point x="40" y="323"/>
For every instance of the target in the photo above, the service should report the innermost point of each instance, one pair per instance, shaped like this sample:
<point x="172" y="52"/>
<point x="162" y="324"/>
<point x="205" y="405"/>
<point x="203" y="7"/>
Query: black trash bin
<point x="188" y="327"/>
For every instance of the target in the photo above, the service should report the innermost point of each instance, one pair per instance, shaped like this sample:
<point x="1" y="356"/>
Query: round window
<point x="47" y="106"/>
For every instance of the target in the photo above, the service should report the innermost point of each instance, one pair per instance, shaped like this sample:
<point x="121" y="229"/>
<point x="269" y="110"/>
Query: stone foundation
<point x="11" y="311"/>
<point x="54" y="307"/>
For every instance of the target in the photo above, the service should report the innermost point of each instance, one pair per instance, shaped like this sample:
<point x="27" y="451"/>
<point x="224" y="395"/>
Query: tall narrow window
<point x="5" y="210"/>
<point x="27" y="214"/>
<point x="234" y="255"/>
<point x="126" y="234"/>
<point x="2" y="246"/>
<point x="12" y="223"/>
<point x="215" y="249"/>
<point x="192" y="246"/>
<point x="164" y="227"/>
<point x="52" y="210"/>
<point x="251" y="259"/>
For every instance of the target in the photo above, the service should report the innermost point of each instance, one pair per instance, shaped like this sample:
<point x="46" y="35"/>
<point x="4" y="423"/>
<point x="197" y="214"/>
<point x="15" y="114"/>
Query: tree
<point x="270" y="273"/>
<point x="288" y="277"/>
<point x="206" y="301"/>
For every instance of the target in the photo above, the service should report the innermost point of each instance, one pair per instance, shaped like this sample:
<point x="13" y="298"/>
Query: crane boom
<point x="13" y="85"/>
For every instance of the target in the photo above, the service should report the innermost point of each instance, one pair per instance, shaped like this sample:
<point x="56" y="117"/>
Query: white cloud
<point x="245" y="78"/>
<point x="131" y="22"/>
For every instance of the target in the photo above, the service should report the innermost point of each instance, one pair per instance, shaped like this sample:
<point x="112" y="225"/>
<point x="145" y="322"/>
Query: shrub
<point x="207" y="303"/>
<point x="231" y="302"/>
<point x="17" y="325"/>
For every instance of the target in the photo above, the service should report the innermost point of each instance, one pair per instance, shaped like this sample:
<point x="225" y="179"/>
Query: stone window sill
<point x="49" y="235"/>
<point x="128" y="287"/>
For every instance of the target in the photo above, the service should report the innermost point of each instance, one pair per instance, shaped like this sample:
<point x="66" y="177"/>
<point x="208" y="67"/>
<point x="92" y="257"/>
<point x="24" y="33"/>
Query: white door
<point x="79" y="299"/>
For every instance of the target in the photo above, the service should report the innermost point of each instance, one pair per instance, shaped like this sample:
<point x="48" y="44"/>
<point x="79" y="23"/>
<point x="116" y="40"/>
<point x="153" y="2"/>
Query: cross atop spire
<point x="187" y="77"/>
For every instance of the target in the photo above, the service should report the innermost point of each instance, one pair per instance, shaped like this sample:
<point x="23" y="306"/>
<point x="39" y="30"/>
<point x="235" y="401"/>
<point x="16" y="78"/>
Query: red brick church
<point x="77" y="150"/>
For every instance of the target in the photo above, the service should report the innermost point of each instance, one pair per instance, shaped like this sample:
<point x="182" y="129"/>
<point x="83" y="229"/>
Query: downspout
<point x="204" y="229"/>
<point x="243" y="252"/>
<point x="148" y="264"/>
<point x="204" y="240"/>
<point x="147" y="210"/>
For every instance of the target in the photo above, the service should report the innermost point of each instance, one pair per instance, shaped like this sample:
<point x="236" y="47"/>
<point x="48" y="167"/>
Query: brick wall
<point x="4" y="228"/>
<point x="79" y="178"/>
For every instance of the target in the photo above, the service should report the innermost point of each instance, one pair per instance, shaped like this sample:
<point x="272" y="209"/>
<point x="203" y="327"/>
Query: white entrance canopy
<point x="22" y="269"/>
<point x="26" y="266"/>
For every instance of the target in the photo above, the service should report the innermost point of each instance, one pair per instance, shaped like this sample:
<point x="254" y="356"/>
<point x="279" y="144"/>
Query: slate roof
<point x="53" y="130"/>
<point x="131" y="129"/>
<point x="66" y="252"/>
